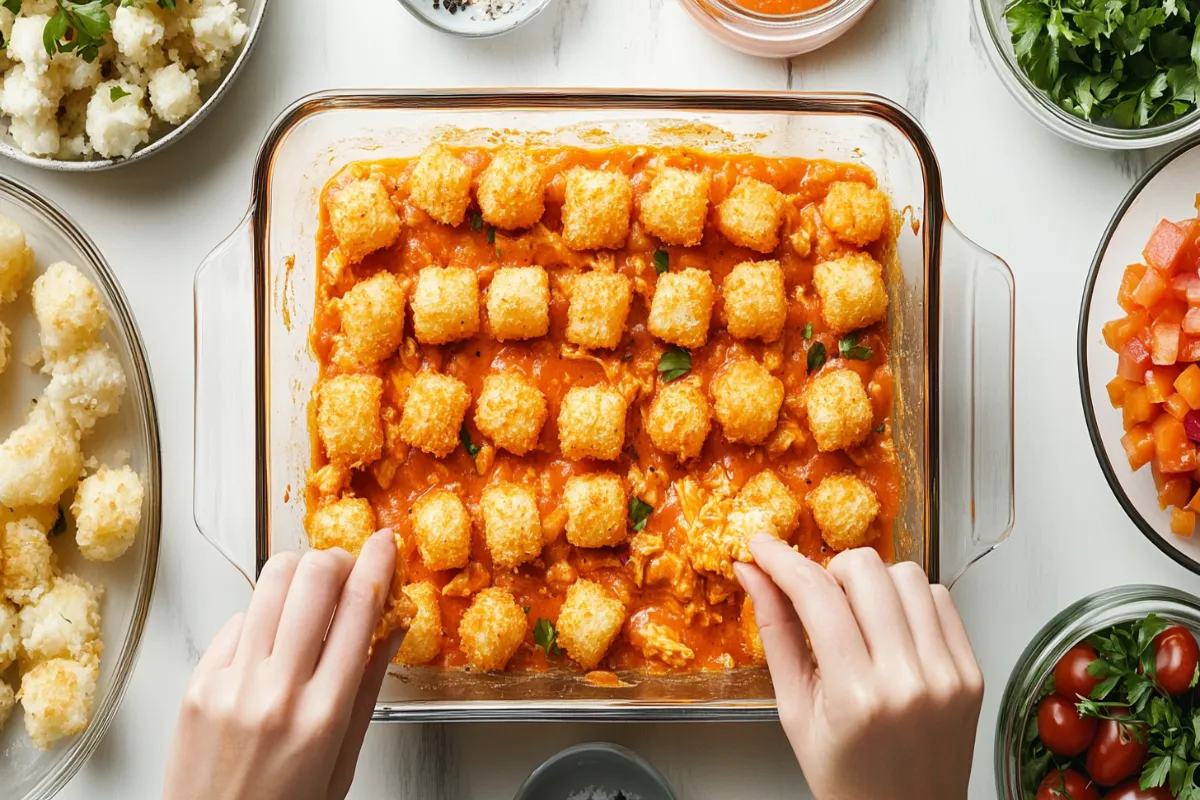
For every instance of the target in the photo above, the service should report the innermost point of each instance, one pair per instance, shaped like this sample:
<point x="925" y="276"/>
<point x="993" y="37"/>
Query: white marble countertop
<point x="1012" y="186"/>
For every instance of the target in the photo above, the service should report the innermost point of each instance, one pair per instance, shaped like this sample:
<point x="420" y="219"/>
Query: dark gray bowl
<point x="597" y="764"/>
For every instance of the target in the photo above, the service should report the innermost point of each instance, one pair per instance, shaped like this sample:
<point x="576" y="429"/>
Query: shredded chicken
<point x="643" y="547"/>
<point x="472" y="580"/>
<point x="659" y="641"/>
<point x="328" y="481"/>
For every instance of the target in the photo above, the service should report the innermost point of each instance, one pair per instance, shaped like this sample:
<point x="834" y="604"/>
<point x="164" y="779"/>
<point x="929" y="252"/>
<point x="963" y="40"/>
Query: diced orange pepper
<point x="1194" y="503"/>
<point x="1138" y="407"/>
<point x="1190" y="325"/>
<point x="1165" y="246"/>
<point x="1189" y="350"/>
<point x="1176" y="492"/>
<point x="1119" y="331"/>
<point x="1164" y="346"/>
<point x="1177" y="407"/>
<point x="1139" y="446"/>
<point x="1133" y="360"/>
<point x="1129" y="282"/>
<point x="1173" y="451"/>
<point x="1183" y="523"/>
<point x="1116" y="391"/>
<point x="1160" y="382"/>
<point x="1150" y="289"/>
<point x="1188" y="385"/>
<point x="1169" y="311"/>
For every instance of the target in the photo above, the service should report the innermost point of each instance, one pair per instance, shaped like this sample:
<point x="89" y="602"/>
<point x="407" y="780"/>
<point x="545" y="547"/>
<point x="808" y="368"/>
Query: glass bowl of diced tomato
<point x="1139" y="354"/>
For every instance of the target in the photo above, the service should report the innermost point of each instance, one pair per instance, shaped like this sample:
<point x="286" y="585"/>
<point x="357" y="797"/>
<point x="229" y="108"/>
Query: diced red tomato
<point x="1150" y="289"/>
<point x="1139" y="446"/>
<point x="1133" y="361"/>
<point x="1165" y="246"/>
<point x="1160" y="382"/>
<point x="1188" y="385"/>
<point x="1129" y="282"/>
<point x="1183" y="523"/>
<point x="1137" y="408"/>
<point x="1164" y="345"/>
<point x="1177" y="407"/>
<point x="1116" y="391"/>
<point x="1173" y="451"/>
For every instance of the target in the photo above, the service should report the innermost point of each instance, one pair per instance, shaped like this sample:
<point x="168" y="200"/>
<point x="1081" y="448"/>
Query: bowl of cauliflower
<point x="94" y="85"/>
<point x="79" y="489"/>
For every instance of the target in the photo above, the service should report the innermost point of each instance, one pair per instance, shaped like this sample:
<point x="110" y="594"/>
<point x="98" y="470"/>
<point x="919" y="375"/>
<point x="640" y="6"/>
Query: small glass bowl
<point x="776" y="35"/>
<point x="1073" y="624"/>
<point x="993" y="30"/>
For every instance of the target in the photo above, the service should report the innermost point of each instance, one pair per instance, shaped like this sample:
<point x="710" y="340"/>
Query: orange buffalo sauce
<point x="709" y="629"/>
<point x="780" y="6"/>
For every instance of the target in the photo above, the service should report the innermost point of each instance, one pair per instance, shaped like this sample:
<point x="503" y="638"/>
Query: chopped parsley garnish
<point x="808" y="331"/>
<point x="491" y="235"/>
<point x="1127" y="63"/>
<point x="850" y="348"/>
<point x="169" y="5"/>
<point x="476" y="221"/>
<point x="546" y="637"/>
<point x="464" y="436"/>
<point x="639" y="512"/>
<point x="881" y="427"/>
<point x="116" y="93"/>
<point x="674" y="363"/>
<point x="77" y="28"/>
<point x="662" y="261"/>
<point x="816" y="357"/>
<point x="14" y="6"/>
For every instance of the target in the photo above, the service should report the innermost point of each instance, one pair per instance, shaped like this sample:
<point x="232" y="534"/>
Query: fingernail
<point x="739" y="569"/>
<point x="384" y="533"/>
<point x="762" y="539"/>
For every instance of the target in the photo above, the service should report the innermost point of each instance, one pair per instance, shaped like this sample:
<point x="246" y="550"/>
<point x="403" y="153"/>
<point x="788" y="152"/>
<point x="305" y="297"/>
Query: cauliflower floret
<point x="755" y="304"/>
<point x="217" y="28"/>
<point x="372" y="315"/>
<point x="596" y="512"/>
<point x="74" y="73"/>
<point x="492" y="629"/>
<point x="107" y="511"/>
<point x="511" y="412"/>
<point x="69" y="310"/>
<point x="39" y="460"/>
<point x="511" y="191"/>
<point x="512" y="526"/>
<point x="28" y="561"/>
<point x="16" y="259"/>
<point x="599" y="304"/>
<point x="138" y="31"/>
<point x="518" y="303"/>
<point x="442" y="528"/>
<point x="73" y="142"/>
<point x="347" y="524"/>
<point x="596" y="209"/>
<point x="28" y="93"/>
<point x="25" y="42"/>
<point x="445" y="304"/>
<point x="440" y="185"/>
<point x="682" y="307"/>
<point x="174" y="93"/>
<point x="845" y="509"/>
<point x="675" y="207"/>
<point x="8" y="700"/>
<point x="37" y="136"/>
<point x="433" y="413"/>
<point x="10" y="633"/>
<point x="86" y="386"/>
<point x="590" y="620"/>
<point x="117" y="121"/>
<point x="57" y="697"/>
<point x="363" y="218"/>
<point x="856" y="213"/>
<point x="839" y="410"/>
<point x="591" y="423"/>
<point x="348" y="419"/>
<point x="424" y="638"/>
<point x="679" y="418"/>
<point x="63" y="622"/>
<point x="746" y="400"/>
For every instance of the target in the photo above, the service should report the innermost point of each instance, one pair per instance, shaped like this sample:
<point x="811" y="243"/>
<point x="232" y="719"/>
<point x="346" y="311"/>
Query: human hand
<point x="884" y="701"/>
<point x="279" y="705"/>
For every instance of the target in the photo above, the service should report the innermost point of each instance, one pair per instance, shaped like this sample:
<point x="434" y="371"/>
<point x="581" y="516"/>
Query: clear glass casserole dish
<point x="952" y="348"/>
<point x="131" y="436"/>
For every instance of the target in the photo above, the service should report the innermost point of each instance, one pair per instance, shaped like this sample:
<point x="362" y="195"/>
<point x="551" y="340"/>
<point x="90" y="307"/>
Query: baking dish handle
<point x="976" y="409"/>
<point x="224" y="468"/>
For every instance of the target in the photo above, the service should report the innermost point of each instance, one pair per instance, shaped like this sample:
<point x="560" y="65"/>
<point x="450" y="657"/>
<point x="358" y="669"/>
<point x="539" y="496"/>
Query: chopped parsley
<point x="850" y="348"/>
<point x="116" y="93"/>
<point x="674" y="363"/>
<point x="808" y="331"/>
<point x="464" y="436"/>
<point x="77" y="28"/>
<point x="545" y="636"/>
<point x="639" y="512"/>
<point x="491" y="235"/>
<point x="662" y="261"/>
<point x="881" y="427"/>
<point x="476" y="221"/>
<point x="14" y="6"/>
<point x="816" y="356"/>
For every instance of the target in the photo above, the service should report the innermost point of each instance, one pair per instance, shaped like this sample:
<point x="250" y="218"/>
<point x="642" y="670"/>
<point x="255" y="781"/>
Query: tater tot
<point x="751" y="215"/>
<point x="433" y="413"/>
<point x="589" y="622"/>
<point x="86" y="386"/>
<point x="424" y="638"/>
<point x="445" y="304"/>
<point x="511" y="191"/>
<point x="596" y="510"/>
<point x="16" y="259"/>
<point x="839" y="410"/>
<point x="675" y="207"/>
<point x="440" y="185"/>
<point x="491" y="630"/>
<point x="10" y="631"/>
<point x="372" y="315"/>
<point x="63" y="622"/>
<point x="511" y="412"/>
<point x="679" y="419"/>
<point x="512" y="525"/>
<point x="856" y="213"/>
<point x="767" y="491"/>
<point x="591" y="423"/>
<point x="746" y="400"/>
<point x="69" y="310"/>
<point x="845" y="509"/>
<point x="107" y="510"/>
<point x="596" y="209"/>
<point x="755" y="303"/>
<point x="599" y="305"/>
<point x="39" y="460"/>
<point x="57" y="696"/>
<point x="682" y="307"/>
<point x="28" y="561"/>
<point x="348" y="419"/>
<point x="852" y="292"/>
<point x="347" y="524"/>
<point x="442" y="528"/>
<point x="518" y="303"/>
<point x="363" y="219"/>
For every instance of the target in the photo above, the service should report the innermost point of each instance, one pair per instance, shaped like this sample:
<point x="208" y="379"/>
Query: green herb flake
<point x="639" y="513"/>
<point x="464" y="436"/>
<point x="80" y="28"/>
<point x="116" y="93"/>
<point x="476" y="221"/>
<point x="674" y="363"/>
<point x="816" y="357"/>
<point x="169" y="5"/>
<point x="808" y="331"/>
<point x="662" y="261"/>
<point x="850" y="348"/>
<point x="881" y="427"/>
<point x="491" y="235"/>
<point x="14" y="6"/>
<point x="546" y="637"/>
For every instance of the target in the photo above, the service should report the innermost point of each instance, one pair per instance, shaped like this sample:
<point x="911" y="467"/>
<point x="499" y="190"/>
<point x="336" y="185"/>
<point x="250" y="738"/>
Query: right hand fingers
<point x="312" y="598"/>
<point x="266" y="606"/>
<point x="957" y="640"/>
<point x="876" y="605"/>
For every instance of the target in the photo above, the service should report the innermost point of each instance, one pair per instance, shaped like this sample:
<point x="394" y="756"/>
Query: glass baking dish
<point x="951" y="316"/>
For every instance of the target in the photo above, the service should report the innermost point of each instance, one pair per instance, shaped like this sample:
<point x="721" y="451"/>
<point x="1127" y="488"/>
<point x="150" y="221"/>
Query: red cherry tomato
<point x="1067" y="784"/>
<point x="1130" y="790"/>
<point x="1116" y="753"/>
<point x="1061" y="729"/>
<point x="1176" y="656"/>
<point x="1071" y="678"/>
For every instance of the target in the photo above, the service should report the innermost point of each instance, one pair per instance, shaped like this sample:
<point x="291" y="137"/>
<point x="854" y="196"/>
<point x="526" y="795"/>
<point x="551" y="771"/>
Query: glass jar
<point x="776" y="35"/>
<point x="1073" y="624"/>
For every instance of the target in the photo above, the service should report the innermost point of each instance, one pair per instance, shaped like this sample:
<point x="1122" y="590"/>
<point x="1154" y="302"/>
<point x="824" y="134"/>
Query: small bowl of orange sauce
<point x="776" y="28"/>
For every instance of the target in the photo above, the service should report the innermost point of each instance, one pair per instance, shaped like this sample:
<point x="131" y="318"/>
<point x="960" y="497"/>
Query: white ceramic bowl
<point x="470" y="23"/>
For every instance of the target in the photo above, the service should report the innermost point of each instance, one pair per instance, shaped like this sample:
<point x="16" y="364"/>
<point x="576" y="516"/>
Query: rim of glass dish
<point x="1062" y="122"/>
<point x="535" y="8"/>
<point x="1089" y="411"/>
<point x="833" y="11"/>
<point x="82" y="747"/>
<point x="1040" y="645"/>
<point x="170" y="137"/>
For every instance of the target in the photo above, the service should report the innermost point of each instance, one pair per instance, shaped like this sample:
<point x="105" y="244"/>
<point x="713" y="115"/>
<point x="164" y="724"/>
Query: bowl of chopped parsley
<point x="1112" y="74"/>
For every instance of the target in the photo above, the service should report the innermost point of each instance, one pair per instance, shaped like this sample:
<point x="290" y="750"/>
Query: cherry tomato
<point x="1131" y="790"/>
<point x="1115" y="753"/>
<point x="1067" y="784"/>
<point x="1176" y="656"/>
<point x="1061" y="729"/>
<point x="1071" y="678"/>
